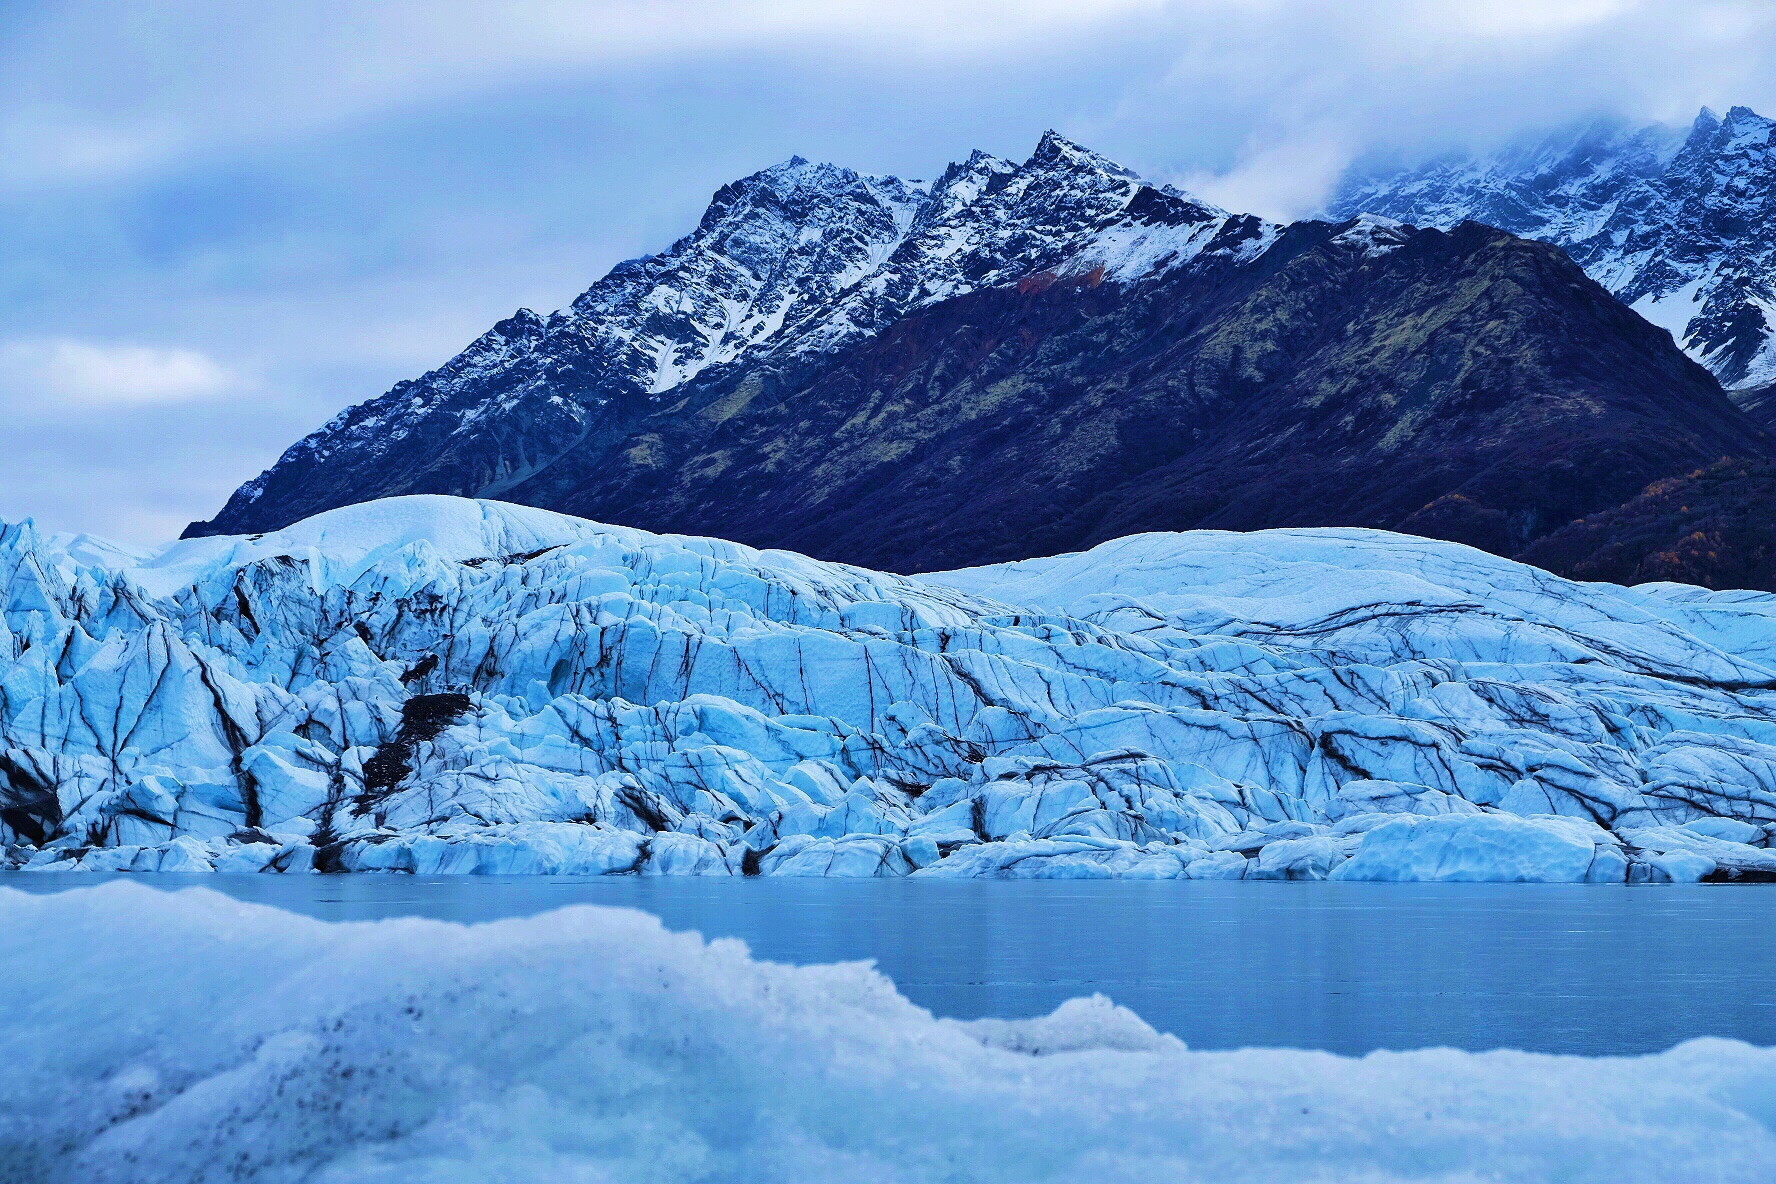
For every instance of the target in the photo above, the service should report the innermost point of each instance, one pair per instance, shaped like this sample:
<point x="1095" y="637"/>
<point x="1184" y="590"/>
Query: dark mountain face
<point x="1714" y="526"/>
<point x="1469" y="385"/>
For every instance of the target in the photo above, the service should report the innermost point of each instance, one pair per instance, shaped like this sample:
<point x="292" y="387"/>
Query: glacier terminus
<point x="441" y="685"/>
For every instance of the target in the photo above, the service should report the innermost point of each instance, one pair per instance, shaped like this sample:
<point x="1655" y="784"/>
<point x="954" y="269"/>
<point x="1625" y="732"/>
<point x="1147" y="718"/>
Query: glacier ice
<point x="1486" y="847"/>
<point x="439" y="685"/>
<point x="188" y="1037"/>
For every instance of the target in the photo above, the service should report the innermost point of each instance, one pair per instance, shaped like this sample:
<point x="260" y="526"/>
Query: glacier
<point x="186" y="1037"/>
<point x="438" y="685"/>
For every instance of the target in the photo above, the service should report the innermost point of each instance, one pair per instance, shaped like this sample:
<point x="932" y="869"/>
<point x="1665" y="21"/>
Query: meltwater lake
<point x="1347" y="968"/>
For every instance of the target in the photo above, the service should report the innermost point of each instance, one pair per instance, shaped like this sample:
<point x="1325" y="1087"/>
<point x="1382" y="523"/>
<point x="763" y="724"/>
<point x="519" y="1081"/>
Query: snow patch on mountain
<point x="1370" y="235"/>
<point x="438" y="685"/>
<point x="1674" y="310"/>
<point x="990" y="223"/>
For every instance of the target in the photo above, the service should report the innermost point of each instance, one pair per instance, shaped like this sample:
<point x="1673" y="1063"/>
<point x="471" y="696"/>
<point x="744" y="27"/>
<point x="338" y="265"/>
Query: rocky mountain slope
<point x="432" y="684"/>
<point x="1469" y="385"/>
<point x="1682" y="226"/>
<point x="788" y="264"/>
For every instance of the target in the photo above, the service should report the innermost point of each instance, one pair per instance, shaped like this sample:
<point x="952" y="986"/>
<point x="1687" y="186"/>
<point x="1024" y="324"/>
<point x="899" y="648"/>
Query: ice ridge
<point x="434" y="684"/>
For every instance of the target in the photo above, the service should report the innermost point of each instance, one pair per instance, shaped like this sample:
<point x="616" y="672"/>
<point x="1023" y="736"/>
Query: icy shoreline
<point x="188" y="1037"/>
<point x="439" y="686"/>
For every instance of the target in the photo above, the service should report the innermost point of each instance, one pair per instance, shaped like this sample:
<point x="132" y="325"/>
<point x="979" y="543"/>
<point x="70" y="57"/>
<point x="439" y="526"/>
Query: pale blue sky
<point x="222" y="222"/>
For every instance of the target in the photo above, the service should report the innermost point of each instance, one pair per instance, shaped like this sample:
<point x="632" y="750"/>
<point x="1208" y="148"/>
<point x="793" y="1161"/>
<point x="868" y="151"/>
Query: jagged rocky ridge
<point x="434" y="684"/>
<point x="1680" y="225"/>
<point x="787" y="265"/>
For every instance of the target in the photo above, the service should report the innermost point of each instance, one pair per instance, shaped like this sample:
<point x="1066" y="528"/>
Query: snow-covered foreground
<point x="187" y="1037"/>
<point x="433" y="684"/>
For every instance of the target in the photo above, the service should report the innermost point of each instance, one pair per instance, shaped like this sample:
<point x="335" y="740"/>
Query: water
<point x="1343" y="967"/>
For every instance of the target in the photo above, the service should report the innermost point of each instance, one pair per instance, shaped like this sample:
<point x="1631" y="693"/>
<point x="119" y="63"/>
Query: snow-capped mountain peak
<point x="1681" y="225"/>
<point x="769" y="245"/>
<point x="805" y="255"/>
<point x="960" y="185"/>
<point x="988" y="222"/>
<point x="1056" y="150"/>
<point x="795" y="260"/>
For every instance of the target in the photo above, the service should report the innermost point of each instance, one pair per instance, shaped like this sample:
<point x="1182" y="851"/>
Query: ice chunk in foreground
<point x="185" y="1037"/>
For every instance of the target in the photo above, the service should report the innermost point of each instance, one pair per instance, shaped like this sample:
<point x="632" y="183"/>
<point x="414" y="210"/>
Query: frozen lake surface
<point x="1348" y="968"/>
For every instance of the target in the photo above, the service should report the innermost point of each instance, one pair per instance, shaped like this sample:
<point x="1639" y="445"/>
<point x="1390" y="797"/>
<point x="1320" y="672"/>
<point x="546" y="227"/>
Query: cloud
<point x="137" y="473"/>
<point x="64" y="374"/>
<point x="1286" y="180"/>
<point x="1271" y="100"/>
<point x="96" y="89"/>
<point x="227" y="221"/>
<point x="130" y="441"/>
<point x="116" y="439"/>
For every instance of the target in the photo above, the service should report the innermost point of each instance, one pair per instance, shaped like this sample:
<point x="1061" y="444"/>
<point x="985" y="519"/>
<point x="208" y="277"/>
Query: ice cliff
<point x="438" y="685"/>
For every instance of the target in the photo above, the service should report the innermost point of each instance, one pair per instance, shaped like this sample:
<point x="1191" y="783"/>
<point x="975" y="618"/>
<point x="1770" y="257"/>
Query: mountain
<point x="438" y="685"/>
<point x="1681" y="226"/>
<point x="1032" y="358"/>
<point x="1468" y="385"/>
<point x="789" y="263"/>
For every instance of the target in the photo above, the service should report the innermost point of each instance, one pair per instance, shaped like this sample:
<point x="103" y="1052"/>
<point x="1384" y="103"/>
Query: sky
<point x="221" y="223"/>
